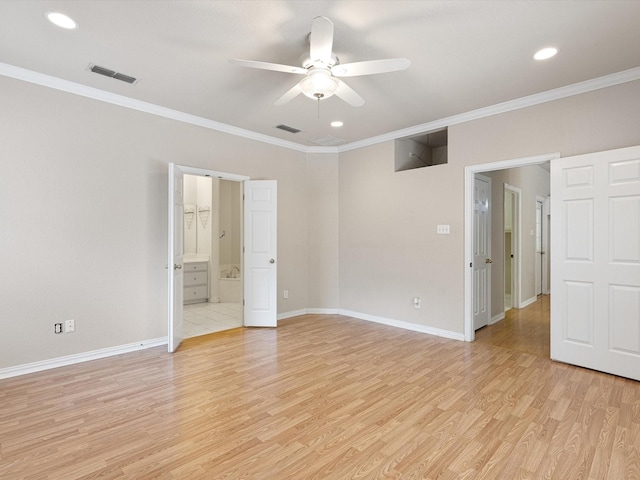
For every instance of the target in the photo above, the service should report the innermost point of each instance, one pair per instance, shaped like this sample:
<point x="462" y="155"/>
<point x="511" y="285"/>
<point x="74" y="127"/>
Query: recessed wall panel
<point x="624" y="319"/>
<point x="578" y="177"/>
<point x="260" y="278"/>
<point x="261" y="195"/>
<point x="578" y="230"/>
<point x="624" y="172"/>
<point x="578" y="317"/>
<point x="624" y="230"/>
<point x="260" y="242"/>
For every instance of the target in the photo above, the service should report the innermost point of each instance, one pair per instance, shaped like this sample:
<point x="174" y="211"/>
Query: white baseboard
<point x="79" y="357"/>
<point x="323" y="311"/>
<point x="372" y="318"/>
<point x="528" y="302"/>
<point x="438" y="332"/>
<point x="132" y="347"/>
<point x="291" y="314"/>
<point x="496" y="318"/>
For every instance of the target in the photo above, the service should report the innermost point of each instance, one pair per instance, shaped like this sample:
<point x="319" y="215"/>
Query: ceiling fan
<point x="322" y="68"/>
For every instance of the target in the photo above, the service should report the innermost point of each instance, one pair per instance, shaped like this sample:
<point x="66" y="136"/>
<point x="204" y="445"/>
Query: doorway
<point x="470" y="173"/>
<point x="212" y="255"/>
<point x="259" y="269"/>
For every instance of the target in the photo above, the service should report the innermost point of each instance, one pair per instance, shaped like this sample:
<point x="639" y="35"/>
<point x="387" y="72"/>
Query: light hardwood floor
<point x="321" y="397"/>
<point x="526" y="330"/>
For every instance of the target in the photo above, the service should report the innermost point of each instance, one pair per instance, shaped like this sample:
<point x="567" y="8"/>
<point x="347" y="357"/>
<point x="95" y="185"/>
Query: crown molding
<point x="127" y="102"/>
<point x="536" y="99"/>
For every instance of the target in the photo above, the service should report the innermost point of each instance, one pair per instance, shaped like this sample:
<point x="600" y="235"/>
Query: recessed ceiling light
<point x="61" y="20"/>
<point x="337" y="123"/>
<point x="545" y="53"/>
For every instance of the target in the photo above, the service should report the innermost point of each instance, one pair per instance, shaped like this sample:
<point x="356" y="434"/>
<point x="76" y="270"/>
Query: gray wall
<point x="389" y="251"/>
<point x="78" y="175"/>
<point x="83" y="209"/>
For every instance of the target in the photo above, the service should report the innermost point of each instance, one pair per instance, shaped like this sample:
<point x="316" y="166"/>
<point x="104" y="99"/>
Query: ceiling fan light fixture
<point x="319" y="84"/>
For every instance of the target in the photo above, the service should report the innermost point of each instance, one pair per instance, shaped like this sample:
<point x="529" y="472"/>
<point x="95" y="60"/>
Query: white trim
<point x="528" y="302"/>
<point x="127" y="102"/>
<point x="291" y="314"/>
<point x="204" y="172"/>
<point x="132" y="347"/>
<point x="496" y="318"/>
<point x="404" y="325"/>
<point x="528" y="101"/>
<point x="373" y="318"/>
<point x="308" y="311"/>
<point x="469" y="175"/>
<point x="323" y="311"/>
<point x="80" y="357"/>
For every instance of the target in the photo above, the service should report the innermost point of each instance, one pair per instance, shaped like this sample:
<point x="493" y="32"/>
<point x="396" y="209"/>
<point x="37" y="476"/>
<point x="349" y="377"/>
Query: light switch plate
<point x="443" y="229"/>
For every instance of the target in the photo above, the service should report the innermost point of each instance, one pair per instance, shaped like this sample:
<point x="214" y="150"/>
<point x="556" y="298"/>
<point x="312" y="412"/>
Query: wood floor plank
<point x="326" y="397"/>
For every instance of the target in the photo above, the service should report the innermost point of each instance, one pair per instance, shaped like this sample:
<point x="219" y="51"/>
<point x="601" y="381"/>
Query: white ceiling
<point x="465" y="55"/>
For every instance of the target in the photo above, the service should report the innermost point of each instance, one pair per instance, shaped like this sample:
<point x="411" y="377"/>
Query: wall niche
<point x="419" y="151"/>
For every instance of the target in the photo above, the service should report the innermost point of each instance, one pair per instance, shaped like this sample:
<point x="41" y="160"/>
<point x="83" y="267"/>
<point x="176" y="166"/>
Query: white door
<point x="260" y="253"/>
<point x="481" y="251"/>
<point x="595" y="248"/>
<point x="174" y="265"/>
<point x="539" y="248"/>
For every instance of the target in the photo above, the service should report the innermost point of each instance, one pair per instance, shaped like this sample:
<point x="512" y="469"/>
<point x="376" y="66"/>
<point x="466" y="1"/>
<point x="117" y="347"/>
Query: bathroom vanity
<point x="196" y="279"/>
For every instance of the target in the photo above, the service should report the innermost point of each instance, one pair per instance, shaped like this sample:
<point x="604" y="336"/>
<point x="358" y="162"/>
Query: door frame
<point x="200" y="172"/>
<point x="469" y="175"/>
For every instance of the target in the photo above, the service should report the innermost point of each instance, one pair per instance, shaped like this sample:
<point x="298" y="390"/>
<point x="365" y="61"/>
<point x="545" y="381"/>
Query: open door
<point x="174" y="265"/>
<point x="260" y="270"/>
<point x="595" y="240"/>
<point x="481" y="251"/>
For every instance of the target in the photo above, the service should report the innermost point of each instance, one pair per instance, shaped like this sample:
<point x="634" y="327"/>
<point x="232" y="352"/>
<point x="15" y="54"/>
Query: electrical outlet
<point x="285" y="294"/>
<point x="69" y="326"/>
<point x="57" y="328"/>
<point x="416" y="302"/>
<point x="443" y="229"/>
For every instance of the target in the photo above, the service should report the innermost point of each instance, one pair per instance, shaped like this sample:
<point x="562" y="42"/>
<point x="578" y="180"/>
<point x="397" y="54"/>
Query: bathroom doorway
<point x="212" y="255"/>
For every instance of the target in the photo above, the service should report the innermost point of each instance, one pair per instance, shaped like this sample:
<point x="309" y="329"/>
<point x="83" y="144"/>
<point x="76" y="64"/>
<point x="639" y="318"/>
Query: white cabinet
<point x="196" y="282"/>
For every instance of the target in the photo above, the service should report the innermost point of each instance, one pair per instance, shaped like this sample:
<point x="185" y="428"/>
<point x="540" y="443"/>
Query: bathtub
<point x="230" y="290"/>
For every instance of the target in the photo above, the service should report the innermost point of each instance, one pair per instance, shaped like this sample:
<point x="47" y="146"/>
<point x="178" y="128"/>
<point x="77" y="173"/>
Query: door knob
<point x="488" y="260"/>
<point x="177" y="267"/>
<point x="272" y="261"/>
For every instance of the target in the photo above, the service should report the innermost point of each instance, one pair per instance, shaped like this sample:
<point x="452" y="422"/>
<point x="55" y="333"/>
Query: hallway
<point x="525" y="330"/>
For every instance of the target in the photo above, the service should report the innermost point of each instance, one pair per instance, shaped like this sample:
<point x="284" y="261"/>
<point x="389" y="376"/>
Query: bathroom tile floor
<point x="203" y="318"/>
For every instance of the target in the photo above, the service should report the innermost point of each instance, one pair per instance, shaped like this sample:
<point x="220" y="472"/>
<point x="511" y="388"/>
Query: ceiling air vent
<point x="328" y="141"/>
<point x="110" y="73"/>
<point x="287" y="128"/>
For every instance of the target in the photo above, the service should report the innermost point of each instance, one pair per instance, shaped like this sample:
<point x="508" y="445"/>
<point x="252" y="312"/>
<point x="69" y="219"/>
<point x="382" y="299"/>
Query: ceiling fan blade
<point x="346" y="93"/>
<point x="370" y="67"/>
<point x="289" y="95"/>
<point x="321" y="40"/>
<point x="276" y="67"/>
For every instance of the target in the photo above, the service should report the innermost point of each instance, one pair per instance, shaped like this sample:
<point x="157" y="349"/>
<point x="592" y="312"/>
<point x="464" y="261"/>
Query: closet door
<point x="595" y="285"/>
